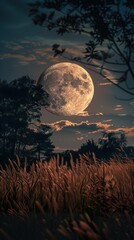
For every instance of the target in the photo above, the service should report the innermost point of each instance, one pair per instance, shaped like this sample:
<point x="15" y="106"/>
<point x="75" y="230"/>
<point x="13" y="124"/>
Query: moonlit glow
<point x="69" y="88"/>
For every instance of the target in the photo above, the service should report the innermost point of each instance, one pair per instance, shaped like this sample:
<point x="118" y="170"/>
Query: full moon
<point x="69" y="88"/>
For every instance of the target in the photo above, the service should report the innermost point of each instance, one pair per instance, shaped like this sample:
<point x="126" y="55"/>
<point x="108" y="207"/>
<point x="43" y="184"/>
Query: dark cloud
<point x="83" y="126"/>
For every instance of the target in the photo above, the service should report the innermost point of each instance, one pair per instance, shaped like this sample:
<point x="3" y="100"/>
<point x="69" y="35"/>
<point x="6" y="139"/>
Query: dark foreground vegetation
<point x="21" y="131"/>
<point x="51" y="201"/>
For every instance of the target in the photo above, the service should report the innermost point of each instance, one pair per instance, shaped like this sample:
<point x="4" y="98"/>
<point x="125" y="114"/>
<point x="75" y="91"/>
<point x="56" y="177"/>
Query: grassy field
<point x="84" y="201"/>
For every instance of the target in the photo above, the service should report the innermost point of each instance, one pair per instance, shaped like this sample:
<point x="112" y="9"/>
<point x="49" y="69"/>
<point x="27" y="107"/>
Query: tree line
<point x="21" y="131"/>
<point x="109" y="146"/>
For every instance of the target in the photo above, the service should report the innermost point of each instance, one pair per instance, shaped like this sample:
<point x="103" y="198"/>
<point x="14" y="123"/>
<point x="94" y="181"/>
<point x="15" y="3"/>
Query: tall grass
<point x="98" y="187"/>
<point x="53" y="189"/>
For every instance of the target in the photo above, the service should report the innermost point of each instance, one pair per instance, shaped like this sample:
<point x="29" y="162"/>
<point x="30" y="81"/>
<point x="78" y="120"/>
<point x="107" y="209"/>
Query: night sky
<point x="25" y="49"/>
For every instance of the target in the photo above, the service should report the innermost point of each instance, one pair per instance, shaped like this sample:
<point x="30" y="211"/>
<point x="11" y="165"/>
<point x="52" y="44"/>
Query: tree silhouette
<point x="20" y="107"/>
<point x="90" y="147"/>
<point x="109" y="24"/>
<point x="111" y="144"/>
<point x="108" y="146"/>
<point x="39" y="142"/>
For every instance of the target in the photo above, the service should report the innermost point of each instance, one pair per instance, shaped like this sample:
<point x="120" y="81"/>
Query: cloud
<point x="74" y="51"/>
<point x="84" y="114"/>
<point x="27" y="51"/>
<point x="41" y="48"/>
<point x="129" y="132"/>
<point x="108" y="120"/>
<point x="99" y="114"/>
<point x="83" y="126"/>
<point x="14" y="46"/>
<point x="41" y="62"/>
<point x="122" y="115"/>
<point x="80" y="138"/>
<point x="22" y="58"/>
<point x="73" y="133"/>
<point x="42" y="51"/>
<point x="58" y="126"/>
<point x="36" y="49"/>
<point x="105" y="84"/>
<point x="118" y="107"/>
